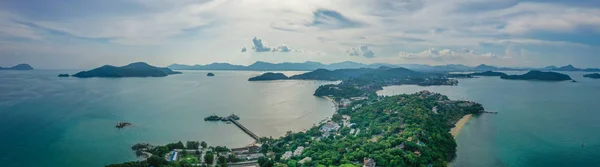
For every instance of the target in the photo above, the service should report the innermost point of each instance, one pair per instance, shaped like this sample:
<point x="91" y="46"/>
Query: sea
<point x="70" y="122"/>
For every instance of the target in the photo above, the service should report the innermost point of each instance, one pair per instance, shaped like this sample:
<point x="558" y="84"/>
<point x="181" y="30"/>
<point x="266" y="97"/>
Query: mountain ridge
<point x="311" y="66"/>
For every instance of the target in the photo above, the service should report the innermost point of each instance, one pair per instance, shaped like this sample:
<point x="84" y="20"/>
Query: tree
<point x="157" y="161"/>
<point x="345" y="131"/>
<point x="336" y="118"/>
<point x="222" y="161"/>
<point x="203" y="144"/>
<point x="208" y="158"/>
<point x="192" y="144"/>
<point x="291" y="163"/>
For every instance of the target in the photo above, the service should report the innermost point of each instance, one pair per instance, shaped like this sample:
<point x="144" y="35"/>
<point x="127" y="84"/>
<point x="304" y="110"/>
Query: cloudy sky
<point x="83" y="34"/>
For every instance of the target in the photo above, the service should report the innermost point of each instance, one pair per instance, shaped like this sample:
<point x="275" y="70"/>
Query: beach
<point x="459" y="125"/>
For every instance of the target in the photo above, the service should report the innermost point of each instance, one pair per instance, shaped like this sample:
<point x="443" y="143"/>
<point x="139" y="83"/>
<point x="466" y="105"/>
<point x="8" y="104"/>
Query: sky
<point x="76" y="34"/>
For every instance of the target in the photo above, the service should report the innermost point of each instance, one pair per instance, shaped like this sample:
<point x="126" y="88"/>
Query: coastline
<point x="335" y="105"/>
<point x="459" y="125"/>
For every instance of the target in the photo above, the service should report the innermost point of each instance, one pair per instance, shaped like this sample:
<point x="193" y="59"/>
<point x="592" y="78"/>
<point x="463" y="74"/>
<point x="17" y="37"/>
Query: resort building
<point x="305" y="160"/>
<point x="298" y="151"/>
<point x="368" y="162"/>
<point x="329" y="127"/>
<point x="287" y="155"/>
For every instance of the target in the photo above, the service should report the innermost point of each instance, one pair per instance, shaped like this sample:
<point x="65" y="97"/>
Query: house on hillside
<point x="368" y="162"/>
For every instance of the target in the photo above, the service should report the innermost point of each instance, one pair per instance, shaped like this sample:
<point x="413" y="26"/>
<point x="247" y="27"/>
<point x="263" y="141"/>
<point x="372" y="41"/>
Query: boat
<point x="122" y="125"/>
<point x="212" y="118"/>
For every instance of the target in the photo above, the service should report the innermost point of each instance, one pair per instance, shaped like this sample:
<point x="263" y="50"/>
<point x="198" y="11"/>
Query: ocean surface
<point x="545" y="124"/>
<point x="70" y="122"/>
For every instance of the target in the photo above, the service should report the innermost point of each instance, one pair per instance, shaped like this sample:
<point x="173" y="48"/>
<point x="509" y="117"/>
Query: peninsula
<point x="139" y="69"/>
<point x="539" y="75"/>
<point x="593" y="76"/>
<point x="18" y="67"/>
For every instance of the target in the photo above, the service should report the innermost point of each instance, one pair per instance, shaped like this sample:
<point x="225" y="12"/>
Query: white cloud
<point x="362" y="50"/>
<point x="444" y="55"/>
<point x="187" y="27"/>
<point x="259" y="46"/>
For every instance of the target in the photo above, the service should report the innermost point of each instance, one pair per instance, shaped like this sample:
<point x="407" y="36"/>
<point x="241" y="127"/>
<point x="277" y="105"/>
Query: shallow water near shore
<point x="538" y="123"/>
<point x="62" y="122"/>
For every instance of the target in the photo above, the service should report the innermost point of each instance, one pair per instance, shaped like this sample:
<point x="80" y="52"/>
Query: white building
<point x="287" y="155"/>
<point x="329" y="127"/>
<point x="298" y="151"/>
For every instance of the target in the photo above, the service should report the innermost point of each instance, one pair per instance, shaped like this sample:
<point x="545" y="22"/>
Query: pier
<point x="254" y="136"/>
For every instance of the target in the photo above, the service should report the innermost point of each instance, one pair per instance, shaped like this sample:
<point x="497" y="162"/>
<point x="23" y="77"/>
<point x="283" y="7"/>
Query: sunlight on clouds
<point x="324" y="30"/>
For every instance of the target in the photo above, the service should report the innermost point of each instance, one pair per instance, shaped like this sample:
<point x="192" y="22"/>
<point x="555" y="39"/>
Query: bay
<point x="538" y="123"/>
<point x="60" y="122"/>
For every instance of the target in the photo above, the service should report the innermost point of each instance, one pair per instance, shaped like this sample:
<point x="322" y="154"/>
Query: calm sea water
<point x="538" y="123"/>
<point x="62" y="122"/>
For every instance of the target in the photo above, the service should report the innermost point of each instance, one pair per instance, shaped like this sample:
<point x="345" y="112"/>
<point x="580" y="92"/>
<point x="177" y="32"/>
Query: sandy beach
<point x="459" y="125"/>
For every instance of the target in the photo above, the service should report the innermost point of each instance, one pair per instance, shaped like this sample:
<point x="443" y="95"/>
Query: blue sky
<point x="85" y="34"/>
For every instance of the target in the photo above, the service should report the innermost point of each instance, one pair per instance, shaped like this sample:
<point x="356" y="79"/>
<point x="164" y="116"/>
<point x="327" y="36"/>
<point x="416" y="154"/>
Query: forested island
<point x="539" y="75"/>
<point x="488" y="73"/>
<point x="139" y="69"/>
<point x="593" y="75"/>
<point x="18" y="67"/>
<point x="269" y="76"/>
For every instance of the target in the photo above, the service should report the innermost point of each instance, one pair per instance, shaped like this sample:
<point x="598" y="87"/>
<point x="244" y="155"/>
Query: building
<point x="368" y="162"/>
<point x="287" y="155"/>
<point x="298" y="151"/>
<point x="345" y="102"/>
<point x="329" y="127"/>
<point x="359" y="98"/>
<point x="246" y="150"/>
<point x="173" y="156"/>
<point x="249" y="156"/>
<point x="305" y="160"/>
<point x="401" y="146"/>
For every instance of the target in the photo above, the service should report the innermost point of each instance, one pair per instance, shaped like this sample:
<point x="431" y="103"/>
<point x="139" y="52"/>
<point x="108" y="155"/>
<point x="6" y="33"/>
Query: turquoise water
<point x="538" y="123"/>
<point x="62" y="122"/>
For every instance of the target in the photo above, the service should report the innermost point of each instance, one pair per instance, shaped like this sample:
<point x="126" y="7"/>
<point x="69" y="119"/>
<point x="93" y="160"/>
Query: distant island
<point x="572" y="68"/>
<point x="311" y="66"/>
<point x="139" y="69"/>
<point x="593" y="75"/>
<point x="269" y="76"/>
<point x="18" y="67"/>
<point x="63" y="75"/>
<point x="539" y="75"/>
<point x="488" y="73"/>
<point x="210" y="74"/>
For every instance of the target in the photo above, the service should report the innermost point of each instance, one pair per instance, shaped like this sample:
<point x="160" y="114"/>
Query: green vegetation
<point x="269" y="76"/>
<point x="593" y="75"/>
<point x="539" y="75"/>
<point x="138" y="69"/>
<point x="399" y="130"/>
<point x="488" y="73"/>
<point x="188" y="155"/>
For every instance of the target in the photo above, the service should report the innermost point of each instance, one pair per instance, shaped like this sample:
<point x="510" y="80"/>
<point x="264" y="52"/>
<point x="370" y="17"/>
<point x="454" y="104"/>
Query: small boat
<point x="122" y="125"/>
